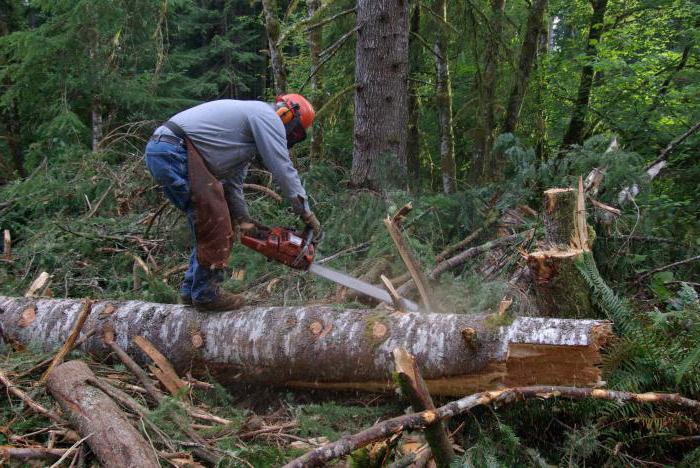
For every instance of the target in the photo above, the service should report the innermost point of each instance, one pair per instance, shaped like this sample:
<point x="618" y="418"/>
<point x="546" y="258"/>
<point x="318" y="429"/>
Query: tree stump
<point x="560" y="290"/>
<point x="559" y="217"/>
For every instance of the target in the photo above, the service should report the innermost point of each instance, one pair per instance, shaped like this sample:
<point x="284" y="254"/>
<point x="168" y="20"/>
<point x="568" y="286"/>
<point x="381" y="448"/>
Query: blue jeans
<point x="167" y="163"/>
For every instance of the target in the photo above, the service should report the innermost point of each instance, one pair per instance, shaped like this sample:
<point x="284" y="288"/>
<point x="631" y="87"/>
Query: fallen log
<point x="323" y="347"/>
<point x="109" y="433"/>
<point x="385" y="429"/>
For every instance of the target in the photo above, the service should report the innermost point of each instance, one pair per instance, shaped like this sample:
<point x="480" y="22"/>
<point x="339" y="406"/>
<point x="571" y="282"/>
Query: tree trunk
<point x="413" y="139"/>
<point x="323" y="347"/>
<point x="443" y="96"/>
<point x="575" y="132"/>
<point x="317" y="98"/>
<point x="560" y="290"/>
<point x="97" y="131"/>
<point x="272" y="28"/>
<point x="112" y="438"/>
<point x="381" y="96"/>
<point x="486" y="162"/>
<point x="528" y="53"/>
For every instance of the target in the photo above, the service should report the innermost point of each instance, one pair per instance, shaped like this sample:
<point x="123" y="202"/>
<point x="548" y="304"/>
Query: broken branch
<point x="497" y="398"/>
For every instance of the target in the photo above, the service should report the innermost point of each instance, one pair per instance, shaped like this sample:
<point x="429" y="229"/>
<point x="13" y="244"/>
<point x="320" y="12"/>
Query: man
<point x="200" y="158"/>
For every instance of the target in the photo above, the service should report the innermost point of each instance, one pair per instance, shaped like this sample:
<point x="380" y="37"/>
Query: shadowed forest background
<point x="469" y="109"/>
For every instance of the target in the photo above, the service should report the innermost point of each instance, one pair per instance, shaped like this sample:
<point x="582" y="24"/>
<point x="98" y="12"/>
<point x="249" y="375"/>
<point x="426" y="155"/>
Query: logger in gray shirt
<point x="229" y="134"/>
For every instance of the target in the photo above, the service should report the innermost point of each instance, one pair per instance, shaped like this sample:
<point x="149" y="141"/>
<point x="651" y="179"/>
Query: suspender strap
<point x="176" y="129"/>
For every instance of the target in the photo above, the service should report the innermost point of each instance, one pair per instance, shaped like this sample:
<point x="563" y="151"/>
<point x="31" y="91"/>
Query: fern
<point x="616" y="309"/>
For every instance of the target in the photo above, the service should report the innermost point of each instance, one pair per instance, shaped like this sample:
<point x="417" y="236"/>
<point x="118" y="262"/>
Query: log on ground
<point x="109" y="433"/>
<point x="323" y="347"/>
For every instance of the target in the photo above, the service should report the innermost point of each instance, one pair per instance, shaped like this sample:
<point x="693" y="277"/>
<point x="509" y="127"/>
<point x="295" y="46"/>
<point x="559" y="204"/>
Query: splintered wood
<point x="163" y="370"/>
<point x="414" y="268"/>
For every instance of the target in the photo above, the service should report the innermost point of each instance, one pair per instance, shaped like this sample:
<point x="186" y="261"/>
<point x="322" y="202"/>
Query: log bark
<point x="323" y="347"/>
<point x="112" y="438"/>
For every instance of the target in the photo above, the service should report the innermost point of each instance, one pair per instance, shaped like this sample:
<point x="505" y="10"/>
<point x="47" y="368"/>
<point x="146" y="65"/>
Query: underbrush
<point x="101" y="228"/>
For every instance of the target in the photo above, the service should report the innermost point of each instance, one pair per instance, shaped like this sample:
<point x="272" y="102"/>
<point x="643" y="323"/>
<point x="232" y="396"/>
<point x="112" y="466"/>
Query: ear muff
<point x="285" y="113"/>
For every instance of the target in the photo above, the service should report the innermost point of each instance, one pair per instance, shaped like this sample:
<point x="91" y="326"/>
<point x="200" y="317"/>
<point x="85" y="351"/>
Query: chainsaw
<point x="295" y="249"/>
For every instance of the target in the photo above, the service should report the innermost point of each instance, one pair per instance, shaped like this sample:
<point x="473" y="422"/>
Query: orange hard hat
<point x="306" y="110"/>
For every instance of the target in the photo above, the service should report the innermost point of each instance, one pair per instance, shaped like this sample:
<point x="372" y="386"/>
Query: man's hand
<point x="312" y="221"/>
<point x="249" y="226"/>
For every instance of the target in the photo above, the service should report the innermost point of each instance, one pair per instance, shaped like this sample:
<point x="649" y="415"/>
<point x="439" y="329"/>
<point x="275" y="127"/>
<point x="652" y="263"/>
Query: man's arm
<point x="233" y="189"/>
<point x="271" y="142"/>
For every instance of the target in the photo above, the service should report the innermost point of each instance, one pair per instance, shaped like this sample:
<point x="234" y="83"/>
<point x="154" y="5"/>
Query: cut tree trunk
<point x="323" y="347"/>
<point x="560" y="290"/>
<point x="559" y="217"/>
<point x="109" y="433"/>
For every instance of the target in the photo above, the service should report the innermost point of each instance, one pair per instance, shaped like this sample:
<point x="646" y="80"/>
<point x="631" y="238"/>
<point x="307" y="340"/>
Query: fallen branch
<point x="164" y="371"/>
<point x="461" y="258"/>
<point x="666" y="267"/>
<point x="70" y="450"/>
<point x="148" y="384"/>
<point x="48" y="361"/>
<point x="30" y="453"/>
<point x="266" y="190"/>
<point x="39" y="285"/>
<point x="397" y="425"/>
<point x="68" y="345"/>
<point x="458" y="246"/>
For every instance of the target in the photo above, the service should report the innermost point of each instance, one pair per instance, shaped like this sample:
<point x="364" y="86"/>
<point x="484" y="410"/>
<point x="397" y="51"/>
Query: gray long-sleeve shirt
<point x="229" y="133"/>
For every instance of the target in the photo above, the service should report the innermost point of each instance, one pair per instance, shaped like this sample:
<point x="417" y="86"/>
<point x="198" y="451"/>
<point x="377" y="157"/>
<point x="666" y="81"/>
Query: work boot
<point x="224" y="301"/>
<point x="185" y="299"/>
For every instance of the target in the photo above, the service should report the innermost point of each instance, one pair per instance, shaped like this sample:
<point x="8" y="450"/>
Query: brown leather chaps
<point x="212" y="221"/>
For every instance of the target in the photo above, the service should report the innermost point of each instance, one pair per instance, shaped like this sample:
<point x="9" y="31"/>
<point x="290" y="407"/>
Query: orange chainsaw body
<point x="282" y="245"/>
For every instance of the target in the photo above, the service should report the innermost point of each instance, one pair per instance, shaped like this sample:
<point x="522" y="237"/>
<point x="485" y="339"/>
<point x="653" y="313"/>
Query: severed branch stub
<point x="164" y="371"/>
<point x="7" y="246"/>
<point x="68" y="345"/>
<point x="497" y="398"/>
<point x="415" y="390"/>
<point x="393" y="227"/>
<point x="395" y="297"/>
